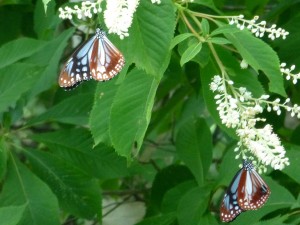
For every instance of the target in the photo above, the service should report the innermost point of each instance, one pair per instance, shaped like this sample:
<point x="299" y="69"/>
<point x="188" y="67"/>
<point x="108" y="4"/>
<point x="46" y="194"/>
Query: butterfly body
<point x="96" y="59"/>
<point x="247" y="191"/>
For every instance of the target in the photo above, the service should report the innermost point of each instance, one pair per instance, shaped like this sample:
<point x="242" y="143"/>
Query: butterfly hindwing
<point x="106" y="60"/>
<point x="254" y="192"/>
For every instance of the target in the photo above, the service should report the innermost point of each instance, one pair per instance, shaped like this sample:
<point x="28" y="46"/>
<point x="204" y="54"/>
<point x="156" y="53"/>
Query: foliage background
<point x="148" y="136"/>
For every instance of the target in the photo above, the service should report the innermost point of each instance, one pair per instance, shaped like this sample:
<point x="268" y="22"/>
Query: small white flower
<point x="244" y="64"/>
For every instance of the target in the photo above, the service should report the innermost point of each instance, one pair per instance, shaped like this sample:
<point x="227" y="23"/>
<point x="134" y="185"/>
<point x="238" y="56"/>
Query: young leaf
<point x="225" y="29"/>
<point x="179" y="38"/>
<point x="23" y="187"/>
<point x="219" y="41"/>
<point x="194" y="146"/>
<point x="190" y="52"/>
<point x="131" y="111"/>
<point x="205" y="27"/>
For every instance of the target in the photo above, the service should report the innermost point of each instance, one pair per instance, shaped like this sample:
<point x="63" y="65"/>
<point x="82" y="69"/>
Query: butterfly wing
<point x="77" y="67"/>
<point x="230" y="208"/>
<point x="254" y="192"/>
<point x="106" y="60"/>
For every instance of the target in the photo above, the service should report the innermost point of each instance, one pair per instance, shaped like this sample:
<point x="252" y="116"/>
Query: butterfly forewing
<point x="77" y="68"/>
<point x="253" y="191"/>
<point x="106" y="60"/>
<point x="97" y="58"/>
<point x="230" y="208"/>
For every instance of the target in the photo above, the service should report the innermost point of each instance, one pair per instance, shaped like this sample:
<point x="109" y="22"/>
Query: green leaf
<point x="219" y="41"/>
<point x="76" y="191"/>
<point x="23" y="187"/>
<point x="192" y="205"/>
<point x="205" y="26"/>
<point x="14" y="81"/>
<point x="72" y="110"/>
<point x="179" y="38"/>
<point x="165" y="180"/>
<point x="190" y="52"/>
<point x="19" y="49"/>
<point x="75" y="146"/>
<point x="225" y="29"/>
<point x="49" y="57"/>
<point x="194" y="147"/>
<point x="131" y="111"/>
<point x="278" y="220"/>
<point x="164" y="219"/>
<point x="100" y="114"/>
<point x="152" y="35"/>
<point x="15" y="2"/>
<point x="3" y="158"/>
<point x="46" y="20"/>
<point x="172" y="197"/>
<point x="293" y="169"/>
<point x="260" y="56"/>
<point x="208" y="3"/>
<point x="241" y="77"/>
<point x="11" y="215"/>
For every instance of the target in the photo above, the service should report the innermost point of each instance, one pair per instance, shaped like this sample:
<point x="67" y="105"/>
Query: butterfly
<point x="96" y="59"/>
<point x="247" y="191"/>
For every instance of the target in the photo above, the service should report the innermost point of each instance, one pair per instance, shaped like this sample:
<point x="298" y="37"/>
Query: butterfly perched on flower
<point x="247" y="191"/>
<point x="96" y="59"/>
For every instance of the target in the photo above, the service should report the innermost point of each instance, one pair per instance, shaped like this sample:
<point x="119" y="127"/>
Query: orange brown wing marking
<point x="107" y="61"/>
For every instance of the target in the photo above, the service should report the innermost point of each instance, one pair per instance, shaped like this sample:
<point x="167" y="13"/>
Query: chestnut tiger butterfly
<point x="247" y="191"/>
<point x="96" y="59"/>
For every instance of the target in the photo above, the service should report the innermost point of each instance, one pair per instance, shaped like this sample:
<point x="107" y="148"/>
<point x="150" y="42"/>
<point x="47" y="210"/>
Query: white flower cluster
<point x="288" y="72"/>
<point x="87" y="9"/>
<point x="259" y="29"/>
<point x="155" y="1"/>
<point x="239" y="111"/>
<point x="118" y="16"/>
